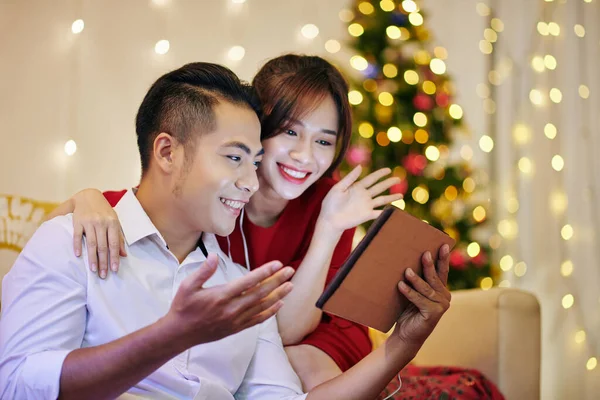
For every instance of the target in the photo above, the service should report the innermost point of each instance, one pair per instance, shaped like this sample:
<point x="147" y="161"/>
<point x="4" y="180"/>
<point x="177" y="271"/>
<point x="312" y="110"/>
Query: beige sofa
<point x="496" y="332"/>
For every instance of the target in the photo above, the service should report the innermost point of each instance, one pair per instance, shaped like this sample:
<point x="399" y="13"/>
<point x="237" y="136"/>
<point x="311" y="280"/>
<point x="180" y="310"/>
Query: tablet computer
<point x="365" y="289"/>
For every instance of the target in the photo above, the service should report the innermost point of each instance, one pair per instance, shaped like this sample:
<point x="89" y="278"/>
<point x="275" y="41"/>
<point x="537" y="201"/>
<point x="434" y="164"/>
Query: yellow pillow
<point x="377" y="338"/>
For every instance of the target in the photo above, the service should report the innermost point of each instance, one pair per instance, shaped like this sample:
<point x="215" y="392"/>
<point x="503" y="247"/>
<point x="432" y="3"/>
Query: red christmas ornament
<point x="358" y="155"/>
<point x="442" y="99"/>
<point x="401" y="187"/>
<point x="480" y="259"/>
<point x="422" y="102"/>
<point x="415" y="163"/>
<point x="458" y="260"/>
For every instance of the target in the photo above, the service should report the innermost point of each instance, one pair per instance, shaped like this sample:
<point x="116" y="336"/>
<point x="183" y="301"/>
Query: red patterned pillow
<point x="441" y="383"/>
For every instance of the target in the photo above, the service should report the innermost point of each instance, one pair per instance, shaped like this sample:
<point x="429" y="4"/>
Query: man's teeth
<point x="232" y="204"/>
<point x="295" y="174"/>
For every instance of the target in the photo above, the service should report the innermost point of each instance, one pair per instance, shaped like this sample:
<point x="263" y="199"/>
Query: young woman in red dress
<point x="299" y="216"/>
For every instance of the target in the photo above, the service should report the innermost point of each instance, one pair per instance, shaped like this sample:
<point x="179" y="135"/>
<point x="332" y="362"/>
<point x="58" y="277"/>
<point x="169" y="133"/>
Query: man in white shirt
<point x="177" y="322"/>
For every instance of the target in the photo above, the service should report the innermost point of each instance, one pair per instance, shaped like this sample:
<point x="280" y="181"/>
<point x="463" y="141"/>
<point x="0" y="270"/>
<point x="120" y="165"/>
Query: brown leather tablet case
<point x="365" y="289"/>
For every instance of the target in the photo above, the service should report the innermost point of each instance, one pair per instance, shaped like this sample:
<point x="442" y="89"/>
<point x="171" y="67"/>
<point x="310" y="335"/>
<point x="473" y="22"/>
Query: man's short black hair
<point x="181" y="103"/>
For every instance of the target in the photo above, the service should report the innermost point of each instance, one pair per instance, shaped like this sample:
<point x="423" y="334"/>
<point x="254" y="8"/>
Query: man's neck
<point x="159" y="205"/>
<point x="265" y="206"/>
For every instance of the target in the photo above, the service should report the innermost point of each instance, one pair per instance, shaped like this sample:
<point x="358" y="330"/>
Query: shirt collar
<point x="134" y="221"/>
<point x="136" y="225"/>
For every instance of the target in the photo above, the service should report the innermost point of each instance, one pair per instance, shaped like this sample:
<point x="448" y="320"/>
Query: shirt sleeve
<point x="43" y="315"/>
<point x="270" y="375"/>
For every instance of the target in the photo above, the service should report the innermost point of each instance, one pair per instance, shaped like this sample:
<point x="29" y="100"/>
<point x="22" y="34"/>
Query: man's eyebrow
<point x="328" y="131"/>
<point x="243" y="147"/>
<point x="238" y="145"/>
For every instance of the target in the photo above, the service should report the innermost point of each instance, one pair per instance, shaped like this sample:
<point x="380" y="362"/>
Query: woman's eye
<point x="291" y="132"/>
<point x="324" y="142"/>
<point x="235" y="158"/>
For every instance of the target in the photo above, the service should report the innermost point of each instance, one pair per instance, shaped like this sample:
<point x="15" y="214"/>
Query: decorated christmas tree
<point x="405" y="118"/>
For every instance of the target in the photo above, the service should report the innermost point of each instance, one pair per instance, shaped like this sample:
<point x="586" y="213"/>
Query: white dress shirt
<point x="52" y="304"/>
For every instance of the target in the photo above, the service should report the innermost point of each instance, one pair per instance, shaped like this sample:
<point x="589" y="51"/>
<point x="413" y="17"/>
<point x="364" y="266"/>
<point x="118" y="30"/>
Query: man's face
<point x="218" y="181"/>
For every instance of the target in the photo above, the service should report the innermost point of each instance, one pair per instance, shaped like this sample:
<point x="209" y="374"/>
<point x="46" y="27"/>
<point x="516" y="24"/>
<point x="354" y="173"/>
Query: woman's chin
<point x="287" y="192"/>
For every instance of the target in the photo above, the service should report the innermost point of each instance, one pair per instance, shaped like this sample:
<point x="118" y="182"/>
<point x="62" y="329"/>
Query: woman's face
<point x="299" y="156"/>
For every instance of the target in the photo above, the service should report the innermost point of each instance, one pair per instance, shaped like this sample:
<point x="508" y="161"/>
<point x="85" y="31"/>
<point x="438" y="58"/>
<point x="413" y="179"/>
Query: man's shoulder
<point x="52" y="232"/>
<point x="60" y="224"/>
<point x="50" y="250"/>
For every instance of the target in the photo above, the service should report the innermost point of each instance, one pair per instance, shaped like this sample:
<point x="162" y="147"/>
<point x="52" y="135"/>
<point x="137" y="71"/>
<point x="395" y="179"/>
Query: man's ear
<point x="165" y="152"/>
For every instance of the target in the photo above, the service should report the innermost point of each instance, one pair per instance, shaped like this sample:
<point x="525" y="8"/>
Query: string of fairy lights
<point x="507" y="229"/>
<point x="541" y="97"/>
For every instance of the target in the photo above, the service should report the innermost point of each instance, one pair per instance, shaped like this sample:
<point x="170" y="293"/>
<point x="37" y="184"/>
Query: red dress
<point x="288" y="241"/>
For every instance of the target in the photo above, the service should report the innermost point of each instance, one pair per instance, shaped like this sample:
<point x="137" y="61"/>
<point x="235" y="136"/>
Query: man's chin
<point x="224" y="230"/>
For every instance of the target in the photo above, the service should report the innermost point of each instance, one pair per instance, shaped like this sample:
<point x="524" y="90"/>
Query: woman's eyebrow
<point x="328" y="131"/>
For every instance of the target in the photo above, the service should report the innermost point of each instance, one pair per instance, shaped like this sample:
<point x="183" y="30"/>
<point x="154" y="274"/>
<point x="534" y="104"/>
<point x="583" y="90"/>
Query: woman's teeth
<point x="294" y="174"/>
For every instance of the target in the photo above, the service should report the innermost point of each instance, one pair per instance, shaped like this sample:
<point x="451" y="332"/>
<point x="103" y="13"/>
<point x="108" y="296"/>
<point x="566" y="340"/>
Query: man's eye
<point x="235" y="158"/>
<point x="257" y="163"/>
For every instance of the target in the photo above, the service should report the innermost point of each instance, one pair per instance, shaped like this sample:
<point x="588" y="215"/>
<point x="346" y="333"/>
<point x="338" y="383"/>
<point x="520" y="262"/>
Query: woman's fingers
<point x="102" y="241"/>
<point x="373" y="177"/>
<point x="382" y="186"/>
<point x="443" y="264"/>
<point x="114" y="244"/>
<point x="421" y="286"/>
<point x="349" y="179"/>
<point x="92" y="246"/>
<point x="77" y="239"/>
<point x="420" y="301"/>
<point x="385" y="200"/>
